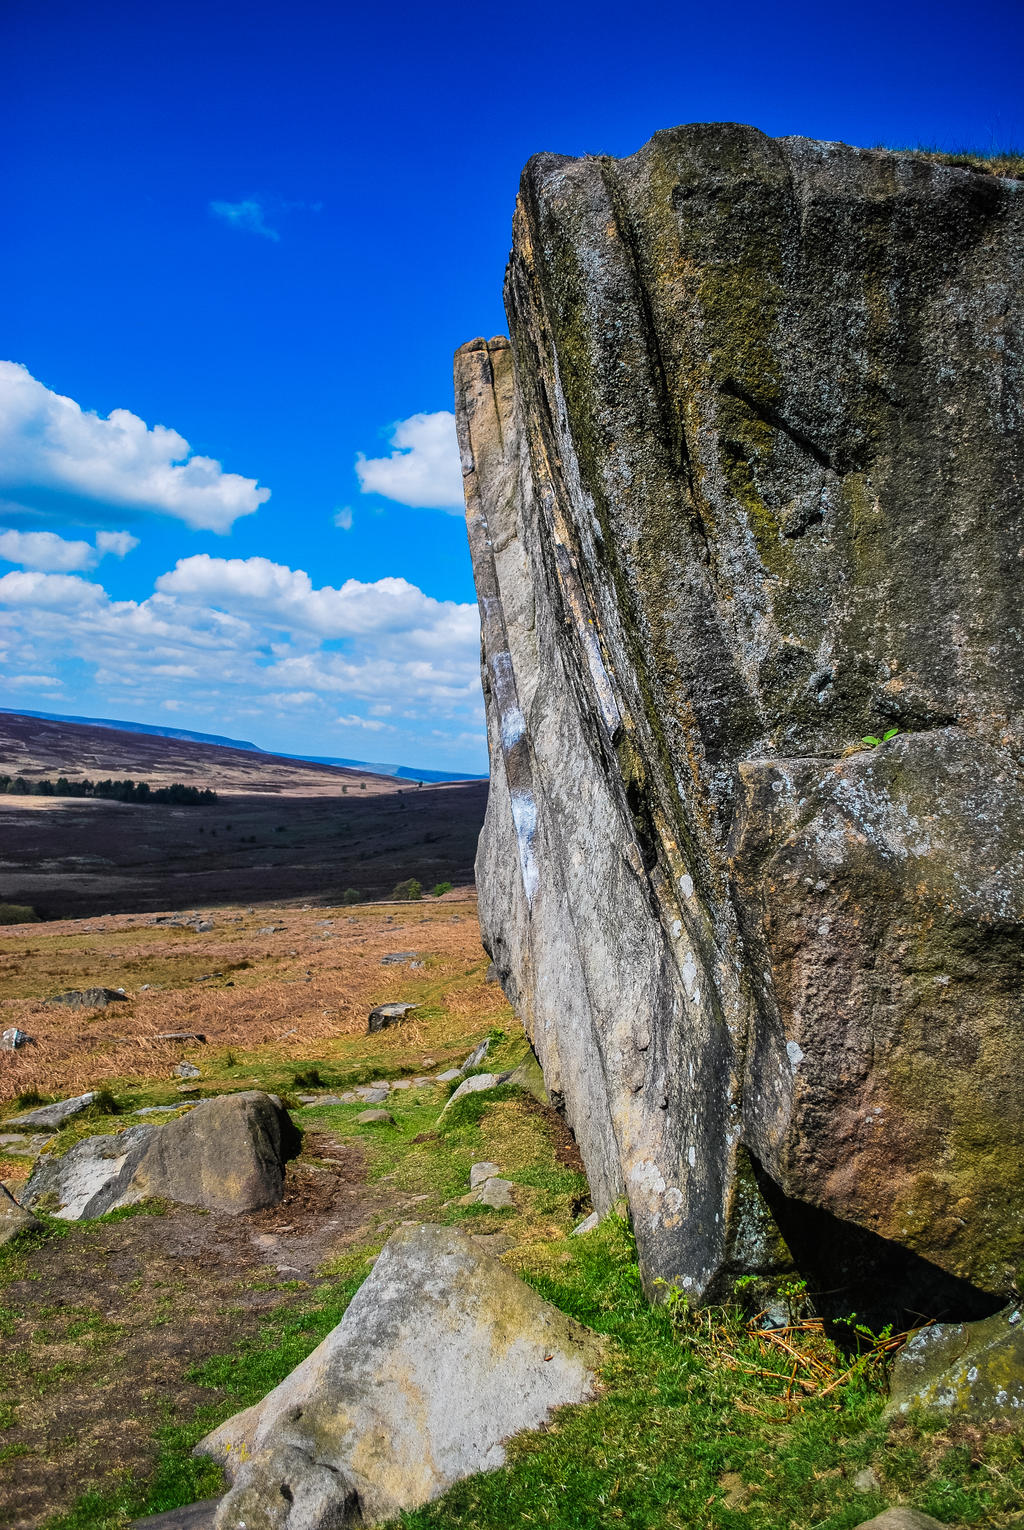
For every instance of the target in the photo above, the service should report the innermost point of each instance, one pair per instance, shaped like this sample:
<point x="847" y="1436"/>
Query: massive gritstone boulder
<point x="744" y="487"/>
<point x="442" y="1355"/>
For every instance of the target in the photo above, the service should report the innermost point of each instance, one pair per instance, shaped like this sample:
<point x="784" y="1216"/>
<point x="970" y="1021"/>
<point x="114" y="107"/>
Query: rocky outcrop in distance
<point x="743" y="487"/>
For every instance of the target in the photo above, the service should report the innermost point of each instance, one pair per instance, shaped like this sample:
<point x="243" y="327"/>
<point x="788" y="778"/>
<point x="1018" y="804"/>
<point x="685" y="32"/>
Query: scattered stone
<point x="387" y="1014"/>
<point x="14" y="1219"/>
<point x="477" y="1055"/>
<point x="421" y="1080"/>
<point x="50" y="1117"/>
<point x="472" y="1086"/>
<point x="587" y="1225"/>
<point x="902" y="1519"/>
<point x="442" y="1355"/>
<point x="866" y="1480"/>
<point x="183" y="1035"/>
<point x="321" y="1099"/>
<point x="414" y="966"/>
<point x="91" y="1177"/>
<point x="349" y="1097"/>
<point x="398" y="958"/>
<point x="370" y="1096"/>
<point x="12" y="1039"/>
<point x="401" y="1083"/>
<point x="496" y="1193"/>
<point x="448" y="1075"/>
<point x="202" y="925"/>
<point x="971" y="1371"/>
<point x="20" y="1146"/>
<point x="270" y="929"/>
<point x="190" y="1088"/>
<point x="88" y="998"/>
<point x="228" y="1154"/>
<point x="194" y="1516"/>
<point x="375" y="1118"/>
<point x="186" y="1070"/>
<point x="481" y="1172"/>
<point x="380" y="1083"/>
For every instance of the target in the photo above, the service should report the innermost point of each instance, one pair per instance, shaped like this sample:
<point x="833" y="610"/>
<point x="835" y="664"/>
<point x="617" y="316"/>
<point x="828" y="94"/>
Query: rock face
<point x="745" y="487"/>
<point x="90" y="1178"/>
<point x="441" y="1357"/>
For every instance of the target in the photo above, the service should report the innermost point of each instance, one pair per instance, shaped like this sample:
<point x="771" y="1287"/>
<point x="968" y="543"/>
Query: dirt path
<point x="101" y="1332"/>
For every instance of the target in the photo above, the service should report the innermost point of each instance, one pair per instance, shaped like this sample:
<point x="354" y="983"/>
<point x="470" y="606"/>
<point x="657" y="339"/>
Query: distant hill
<point x="400" y="772"/>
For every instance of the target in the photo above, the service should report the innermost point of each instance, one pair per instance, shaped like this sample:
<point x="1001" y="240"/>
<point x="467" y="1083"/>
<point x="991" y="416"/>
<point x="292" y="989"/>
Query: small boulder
<point x="496" y="1193"/>
<point x="441" y="1357"/>
<point x="481" y="1172"/>
<point x="12" y="1039"/>
<point x="14" y="1219"/>
<point x="91" y="1177"/>
<point x="49" y="1118"/>
<point x="387" y="1014"/>
<point x="472" y="1085"/>
<point x="370" y="1095"/>
<point x="398" y="958"/>
<point x="88" y="998"/>
<point x="185" y="1070"/>
<point x="970" y="1371"/>
<point x="228" y="1154"/>
<point x="376" y="1118"/>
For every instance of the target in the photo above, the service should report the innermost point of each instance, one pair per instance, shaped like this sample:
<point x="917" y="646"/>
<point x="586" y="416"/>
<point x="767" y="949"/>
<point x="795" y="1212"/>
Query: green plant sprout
<point x="869" y="738"/>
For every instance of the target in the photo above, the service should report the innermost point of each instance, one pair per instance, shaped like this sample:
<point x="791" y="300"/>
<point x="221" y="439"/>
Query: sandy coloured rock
<point x="441" y="1357"/>
<point x="973" y="1372"/>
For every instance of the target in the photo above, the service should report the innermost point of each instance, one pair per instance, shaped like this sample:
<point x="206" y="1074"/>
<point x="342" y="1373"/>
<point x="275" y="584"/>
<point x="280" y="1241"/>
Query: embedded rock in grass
<point x="193" y="1516"/>
<point x="14" y="1219"/>
<point x="973" y="1372"/>
<point x="481" y="1172"/>
<point x="51" y="1117"/>
<point x="477" y="1055"/>
<point x="472" y="1085"/>
<point x="88" y="998"/>
<point x="442" y="1356"/>
<point x="91" y="1177"/>
<point x="744" y="488"/>
<point x="398" y="958"/>
<point x="20" y="1146"/>
<point x="228" y="1154"/>
<point x="387" y="1014"/>
<point x="496" y="1193"/>
<point x="375" y="1118"/>
<point x="186" y="1070"/>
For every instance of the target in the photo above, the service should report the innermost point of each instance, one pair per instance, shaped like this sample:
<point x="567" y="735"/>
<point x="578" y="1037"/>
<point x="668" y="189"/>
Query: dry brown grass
<point x="298" y="994"/>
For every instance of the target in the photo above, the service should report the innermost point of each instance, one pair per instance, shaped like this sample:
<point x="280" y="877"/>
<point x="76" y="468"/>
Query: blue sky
<point x="265" y="229"/>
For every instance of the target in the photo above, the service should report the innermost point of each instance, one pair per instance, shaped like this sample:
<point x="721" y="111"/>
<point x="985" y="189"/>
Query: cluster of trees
<point x="410" y="889"/>
<point x="115" y="791"/>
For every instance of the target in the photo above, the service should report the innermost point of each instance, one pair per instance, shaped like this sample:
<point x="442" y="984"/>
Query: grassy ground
<point x="124" y="1340"/>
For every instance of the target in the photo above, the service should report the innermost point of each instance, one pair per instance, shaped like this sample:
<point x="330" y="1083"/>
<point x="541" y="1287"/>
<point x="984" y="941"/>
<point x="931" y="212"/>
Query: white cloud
<point x="46" y="551"/>
<point x="50" y="446"/>
<point x="343" y="518"/>
<point x="355" y="721"/>
<point x="42" y="682"/>
<point x="51" y="554"/>
<point x="249" y="216"/>
<point x="250" y="639"/>
<point x="424" y="470"/>
<point x="119" y="543"/>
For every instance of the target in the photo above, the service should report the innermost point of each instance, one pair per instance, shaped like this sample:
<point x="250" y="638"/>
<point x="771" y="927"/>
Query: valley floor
<point x="126" y="1338"/>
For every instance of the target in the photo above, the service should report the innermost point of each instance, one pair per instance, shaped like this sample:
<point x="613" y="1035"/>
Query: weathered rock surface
<point x="442" y="1356"/>
<point x="472" y="1085"/>
<point x="745" y="487"/>
<point x="88" y="998"/>
<point x="91" y="1177"/>
<point x="14" y="1219"/>
<point x="902" y="1519"/>
<point x="387" y="1014"/>
<point x="970" y="1371"/>
<point x="227" y="1154"/>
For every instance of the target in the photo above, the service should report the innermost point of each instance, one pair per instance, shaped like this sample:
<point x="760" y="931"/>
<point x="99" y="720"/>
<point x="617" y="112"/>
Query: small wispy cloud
<point x="249" y="216"/>
<point x="343" y="518"/>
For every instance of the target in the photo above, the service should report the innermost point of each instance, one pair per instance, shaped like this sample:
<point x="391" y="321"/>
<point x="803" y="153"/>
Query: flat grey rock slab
<point x="49" y="1118"/>
<point x="320" y="1099"/>
<point x="90" y="1178"/>
<point x="496" y="1193"/>
<point x="398" y="958"/>
<point x="20" y="1146"/>
<point x="88" y="998"/>
<point x="903" y="1519"/>
<point x="587" y="1225"/>
<point x="376" y="1118"/>
<point x="186" y="1070"/>
<point x="387" y="1014"/>
<point x="371" y="1096"/>
<point x="481" y="1172"/>
<point x="193" y="1516"/>
<point x="448" y="1075"/>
